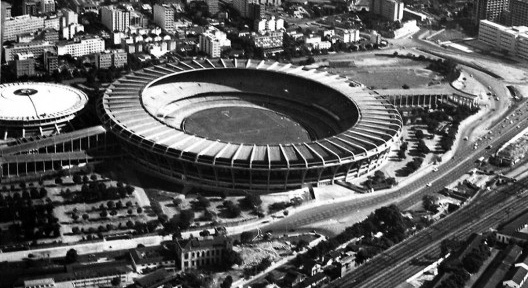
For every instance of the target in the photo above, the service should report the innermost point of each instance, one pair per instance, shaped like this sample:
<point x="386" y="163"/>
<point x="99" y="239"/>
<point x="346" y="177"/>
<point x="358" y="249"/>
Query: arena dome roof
<point x="39" y="101"/>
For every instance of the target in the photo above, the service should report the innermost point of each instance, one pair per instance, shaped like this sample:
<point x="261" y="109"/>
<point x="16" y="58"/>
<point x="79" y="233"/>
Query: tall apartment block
<point x="164" y="16"/>
<point x="392" y="10"/>
<point x="115" y="19"/>
<point x="47" y="6"/>
<point x="491" y="10"/>
<point x="519" y="12"/>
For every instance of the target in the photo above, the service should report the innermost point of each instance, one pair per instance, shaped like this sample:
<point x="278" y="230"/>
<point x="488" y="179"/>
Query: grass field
<point x="246" y="125"/>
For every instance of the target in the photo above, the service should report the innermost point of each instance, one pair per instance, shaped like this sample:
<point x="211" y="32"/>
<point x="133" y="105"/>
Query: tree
<point x="139" y="210"/>
<point x="77" y="179"/>
<point x="58" y="180"/>
<point x="130" y="211"/>
<point x="85" y="216"/>
<point x="177" y="202"/>
<point x="429" y="203"/>
<point x="110" y="204"/>
<point x="85" y="179"/>
<point x="247" y="236"/>
<point x="113" y="212"/>
<point x="205" y="233"/>
<point x="71" y="256"/>
<point x="130" y="224"/>
<point x="103" y="213"/>
<point x="228" y="281"/>
<point x="202" y="202"/>
<point x="251" y="201"/>
<point x="129" y="189"/>
<point x="231" y="258"/>
<point x="75" y="230"/>
<point x="186" y="219"/>
<point x="93" y="177"/>
<point x="116" y="281"/>
<point x="419" y="134"/>
<point x="43" y="192"/>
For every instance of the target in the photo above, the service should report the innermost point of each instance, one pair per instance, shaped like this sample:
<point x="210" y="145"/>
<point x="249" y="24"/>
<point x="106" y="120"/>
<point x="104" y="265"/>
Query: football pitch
<point x="248" y="125"/>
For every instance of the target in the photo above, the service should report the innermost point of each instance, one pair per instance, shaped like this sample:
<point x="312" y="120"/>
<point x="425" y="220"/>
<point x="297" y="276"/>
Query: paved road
<point x="463" y="161"/>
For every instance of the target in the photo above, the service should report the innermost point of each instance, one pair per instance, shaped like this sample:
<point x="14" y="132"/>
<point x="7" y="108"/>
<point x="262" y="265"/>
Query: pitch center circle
<point x="242" y="124"/>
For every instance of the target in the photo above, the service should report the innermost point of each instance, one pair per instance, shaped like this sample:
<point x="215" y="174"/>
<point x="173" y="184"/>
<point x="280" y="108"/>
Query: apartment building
<point x="115" y="19"/>
<point x="164" y="16"/>
<point x="80" y="47"/>
<point x="19" y="25"/>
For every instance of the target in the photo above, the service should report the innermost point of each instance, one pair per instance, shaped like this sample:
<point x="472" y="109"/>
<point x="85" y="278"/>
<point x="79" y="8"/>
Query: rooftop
<point x="38" y="101"/>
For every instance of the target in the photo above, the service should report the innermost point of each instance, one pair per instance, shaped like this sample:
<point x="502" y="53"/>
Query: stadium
<point x="248" y="125"/>
<point x="37" y="109"/>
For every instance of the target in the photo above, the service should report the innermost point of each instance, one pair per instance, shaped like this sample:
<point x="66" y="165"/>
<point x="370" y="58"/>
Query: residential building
<point x="103" y="60"/>
<point x="499" y="267"/>
<point x="36" y="47"/>
<point x="47" y="6"/>
<point x="6" y="10"/>
<point x="517" y="278"/>
<point x="164" y="16"/>
<point x="80" y="47"/>
<point x="51" y="61"/>
<point x="519" y="12"/>
<point x="193" y="253"/>
<point x="491" y="10"/>
<point x="212" y="6"/>
<point x="20" y="25"/>
<point x="107" y="59"/>
<point x="30" y="7"/>
<point x="69" y="31"/>
<point x="270" y="24"/>
<point x="251" y="9"/>
<point x="152" y="257"/>
<point x="138" y="20"/>
<point x="347" y="35"/>
<point x="392" y="10"/>
<point x="52" y="21"/>
<point x="24" y="64"/>
<point x="268" y="40"/>
<point x="51" y="35"/>
<point x="114" y="18"/>
<point x="511" y="40"/>
<point x="70" y="17"/>
<point x="213" y="41"/>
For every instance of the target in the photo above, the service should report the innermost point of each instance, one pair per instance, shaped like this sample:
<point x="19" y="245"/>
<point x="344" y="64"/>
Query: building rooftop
<point x="196" y="244"/>
<point x="151" y="254"/>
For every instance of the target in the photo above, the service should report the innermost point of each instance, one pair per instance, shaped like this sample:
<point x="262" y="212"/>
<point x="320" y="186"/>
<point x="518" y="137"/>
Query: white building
<point x="271" y="24"/>
<point x="390" y="9"/>
<point x="19" y="25"/>
<point x="512" y="40"/>
<point x="164" y="16"/>
<point x="70" y="17"/>
<point x="213" y="41"/>
<point x="347" y="35"/>
<point x="70" y="31"/>
<point x="82" y="47"/>
<point x="115" y="19"/>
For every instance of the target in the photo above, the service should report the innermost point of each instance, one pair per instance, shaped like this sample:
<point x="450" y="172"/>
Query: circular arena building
<point x="30" y="109"/>
<point x="248" y="125"/>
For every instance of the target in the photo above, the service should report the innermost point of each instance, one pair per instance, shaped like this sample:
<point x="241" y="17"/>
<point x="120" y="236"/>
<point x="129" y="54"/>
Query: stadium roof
<point x="127" y="114"/>
<point x="39" y="101"/>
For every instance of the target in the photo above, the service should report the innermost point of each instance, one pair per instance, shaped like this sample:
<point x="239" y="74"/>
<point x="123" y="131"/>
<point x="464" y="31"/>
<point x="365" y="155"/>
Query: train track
<point x="485" y="212"/>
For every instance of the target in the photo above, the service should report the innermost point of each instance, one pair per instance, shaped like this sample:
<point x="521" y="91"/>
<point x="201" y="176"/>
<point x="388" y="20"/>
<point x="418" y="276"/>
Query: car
<point x="429" y="184"/>
<point x="435" y="169"/>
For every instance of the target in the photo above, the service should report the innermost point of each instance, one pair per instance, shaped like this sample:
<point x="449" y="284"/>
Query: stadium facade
<point x="352" y="128"/>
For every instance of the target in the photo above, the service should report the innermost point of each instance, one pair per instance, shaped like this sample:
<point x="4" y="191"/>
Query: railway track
<point x="485" y="212"/>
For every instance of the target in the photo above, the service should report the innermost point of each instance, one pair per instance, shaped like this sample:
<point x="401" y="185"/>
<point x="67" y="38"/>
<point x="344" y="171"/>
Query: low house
<point x="152" y="258"/>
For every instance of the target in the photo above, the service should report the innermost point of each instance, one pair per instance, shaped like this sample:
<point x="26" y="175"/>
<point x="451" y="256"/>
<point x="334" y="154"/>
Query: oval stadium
<point x="249" y="125"/>
<point x="36" y="109"/>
